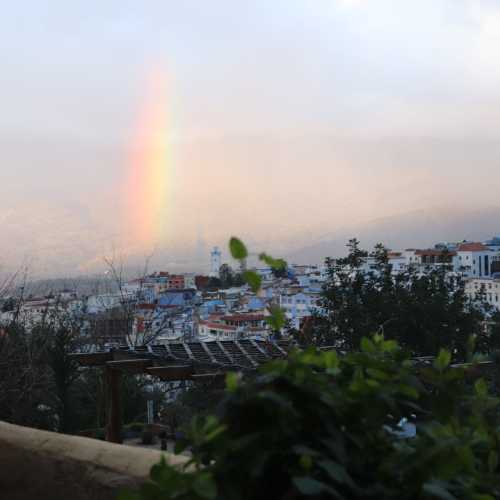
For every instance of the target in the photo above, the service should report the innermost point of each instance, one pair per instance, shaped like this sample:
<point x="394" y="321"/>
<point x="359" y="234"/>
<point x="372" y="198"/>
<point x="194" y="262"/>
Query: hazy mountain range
<point x="418" y="229"/>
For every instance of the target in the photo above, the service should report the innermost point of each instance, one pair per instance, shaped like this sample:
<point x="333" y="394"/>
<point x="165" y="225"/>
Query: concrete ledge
<point x="50" y="466"/>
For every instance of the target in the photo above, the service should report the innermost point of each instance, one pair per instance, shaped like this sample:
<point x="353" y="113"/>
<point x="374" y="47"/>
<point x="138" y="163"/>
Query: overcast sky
<point x="287" y="120"/>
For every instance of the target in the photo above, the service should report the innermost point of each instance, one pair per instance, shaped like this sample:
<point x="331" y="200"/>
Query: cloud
<point x="289" y="119"/>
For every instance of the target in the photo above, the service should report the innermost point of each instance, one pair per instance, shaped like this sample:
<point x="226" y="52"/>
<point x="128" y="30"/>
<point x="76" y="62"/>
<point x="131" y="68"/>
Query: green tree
<point x="494" y="332"/>
<point x="356" y="256"/>
<point x="423" y="311"/>
<point x="226" y="276"/>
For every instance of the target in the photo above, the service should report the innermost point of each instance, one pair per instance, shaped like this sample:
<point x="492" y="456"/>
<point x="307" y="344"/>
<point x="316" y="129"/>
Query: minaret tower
<point x="215" y="257"/>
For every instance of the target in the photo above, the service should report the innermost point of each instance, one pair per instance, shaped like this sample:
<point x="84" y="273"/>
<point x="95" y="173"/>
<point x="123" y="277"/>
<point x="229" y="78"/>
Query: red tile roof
<point x="217" y="326"/>
<point x="244" y="317"/>
<point x="215" y="316"/>
<point x="472" y="247"/>
<point x="145" y="306"/>
<point x="435" y="252"/>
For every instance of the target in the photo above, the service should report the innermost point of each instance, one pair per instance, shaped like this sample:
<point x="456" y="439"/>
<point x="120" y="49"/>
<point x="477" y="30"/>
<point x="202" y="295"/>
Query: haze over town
<point x="295" y="125"/>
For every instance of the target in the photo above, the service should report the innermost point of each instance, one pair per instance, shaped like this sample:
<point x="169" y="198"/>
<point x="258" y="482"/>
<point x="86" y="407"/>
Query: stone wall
<point x="44" y="465"/>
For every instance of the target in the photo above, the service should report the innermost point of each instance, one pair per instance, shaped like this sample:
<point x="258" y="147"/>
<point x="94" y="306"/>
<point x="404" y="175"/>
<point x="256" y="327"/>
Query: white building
<point x="213" y="330"/>
<point x="471" y="259"/>
<point x="233" y="327"/>
<point x="398" y="262"/>
<point x="298" y="306"/>
<point x="215" y="262"/>
<point x="103" y="302"/>
<point x="133" y="287"/>
<point x="484" y="290"/>
<point x="429" y="258"/>
<point x="266" y="273"/>
<point x="304" y="280"/>
<point x="50" y="309"/>
<point x="189" y="281"/>
<point x="475" y="259"/>
<point x="303" y="269"/>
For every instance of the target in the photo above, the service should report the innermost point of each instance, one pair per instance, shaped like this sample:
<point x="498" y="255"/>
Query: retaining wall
<point x="45" y="465"/>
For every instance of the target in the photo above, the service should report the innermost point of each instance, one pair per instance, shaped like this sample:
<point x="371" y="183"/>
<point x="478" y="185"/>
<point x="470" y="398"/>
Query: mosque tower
<point x="215" y="258"/>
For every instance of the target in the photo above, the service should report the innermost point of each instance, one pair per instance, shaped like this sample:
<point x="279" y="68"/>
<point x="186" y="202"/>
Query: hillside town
<point x="163" y="307"/>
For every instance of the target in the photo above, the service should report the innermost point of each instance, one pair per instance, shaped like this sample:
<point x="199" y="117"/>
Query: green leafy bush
<point x="322" y="425"/>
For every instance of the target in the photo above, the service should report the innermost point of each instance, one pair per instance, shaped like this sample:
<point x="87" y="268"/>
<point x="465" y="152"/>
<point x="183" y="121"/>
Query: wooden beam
<point x="245" y="353"/>
<point x="114" y="405"/>
<point x="172" y="372"/>
<point x="283" y="352"/>
<point x="92" y="358"/>
<point x="188" y="350"/>
<point x="137" y="365"/>
<point x="208" y="352"/>
<point x="226" y="353"/>
<point x="262" y="351"/>
<point x="209" y="377"/>
<point x="119" y="355"/>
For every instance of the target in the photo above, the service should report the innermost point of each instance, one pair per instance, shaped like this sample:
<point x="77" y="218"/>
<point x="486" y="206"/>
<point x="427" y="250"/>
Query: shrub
<point x="327" y="426"/>
<point x="135" y="427"/>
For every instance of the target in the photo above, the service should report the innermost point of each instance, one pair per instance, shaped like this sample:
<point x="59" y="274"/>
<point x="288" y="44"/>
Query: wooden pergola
<point x="199" y="362"/>
<point x="195" y="361"/>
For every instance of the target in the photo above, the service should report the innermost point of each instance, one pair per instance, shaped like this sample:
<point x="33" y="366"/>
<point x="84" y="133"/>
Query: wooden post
<point x="114" y="406"/>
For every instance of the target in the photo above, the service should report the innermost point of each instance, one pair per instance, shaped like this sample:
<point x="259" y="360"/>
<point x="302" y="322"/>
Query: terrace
<point x="51" y="466"/>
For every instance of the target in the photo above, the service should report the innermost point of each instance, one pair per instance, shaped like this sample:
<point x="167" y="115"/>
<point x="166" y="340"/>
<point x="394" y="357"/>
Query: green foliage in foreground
<point x="321" y="425"/>
<point x="276" y="318"/>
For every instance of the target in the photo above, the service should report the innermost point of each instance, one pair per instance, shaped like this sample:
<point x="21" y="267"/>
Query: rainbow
<point x="150" y="168"/>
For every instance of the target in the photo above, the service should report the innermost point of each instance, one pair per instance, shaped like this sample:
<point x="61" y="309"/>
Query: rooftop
<point x="435" y="252"/>
<point x="244" y="317"/>
<point x="472" y="247"/>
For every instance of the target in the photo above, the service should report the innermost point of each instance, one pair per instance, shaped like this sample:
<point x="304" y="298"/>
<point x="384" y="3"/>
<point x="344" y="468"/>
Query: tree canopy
<point x="424" y="311"/>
